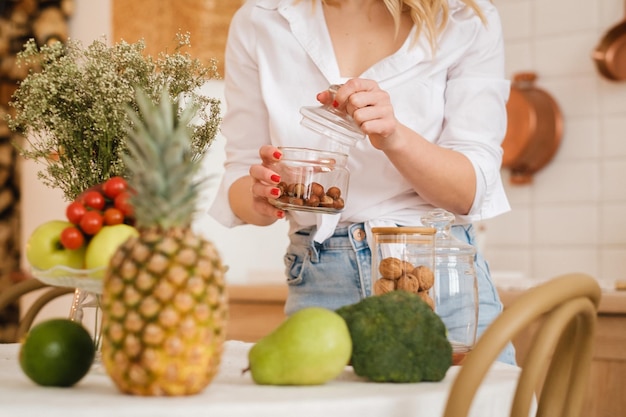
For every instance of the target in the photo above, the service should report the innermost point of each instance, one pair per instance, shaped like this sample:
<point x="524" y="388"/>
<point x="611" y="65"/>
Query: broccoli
<point x="397" y="337"/>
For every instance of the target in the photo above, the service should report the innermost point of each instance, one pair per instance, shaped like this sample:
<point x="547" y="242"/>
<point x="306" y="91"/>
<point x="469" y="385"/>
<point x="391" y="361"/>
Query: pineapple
<point x="164" y="300"/>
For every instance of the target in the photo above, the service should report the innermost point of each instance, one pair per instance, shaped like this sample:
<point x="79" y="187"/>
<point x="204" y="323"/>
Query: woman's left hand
<point x="369" y="106"/>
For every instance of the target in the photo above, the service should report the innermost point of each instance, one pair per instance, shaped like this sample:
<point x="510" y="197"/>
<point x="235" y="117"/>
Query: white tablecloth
<point x="232" y="394"/>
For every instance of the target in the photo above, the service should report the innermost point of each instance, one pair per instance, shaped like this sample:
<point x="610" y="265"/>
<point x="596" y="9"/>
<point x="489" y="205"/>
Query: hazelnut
<point x="316" y="189"/>
<point x="390" y="268"/>
<point x="425" y="277"/>
<point x="312" y="201"/>
<point x="338" y="204"/>
<point x="384" y="285"/>
<point x="284" y="198"/>
<point x="326" y="201"/>
<point x="427" y="299"/>
<point x="296" y="201"/>
<point x="408" y="283"/>
<point x="334" y="193"/>
<point x="297" y="190"/>
<point x="282" y="186"/>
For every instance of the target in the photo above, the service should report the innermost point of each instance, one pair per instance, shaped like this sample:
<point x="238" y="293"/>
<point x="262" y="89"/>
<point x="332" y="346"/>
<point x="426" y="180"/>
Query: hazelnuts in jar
<point x="311" y="195"/>
<point x="396" y="274"/>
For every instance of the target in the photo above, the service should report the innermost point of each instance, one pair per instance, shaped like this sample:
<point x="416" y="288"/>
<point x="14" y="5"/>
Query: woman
<point x="424" y="80"/>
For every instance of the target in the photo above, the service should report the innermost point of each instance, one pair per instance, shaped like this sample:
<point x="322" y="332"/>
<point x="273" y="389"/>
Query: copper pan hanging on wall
<point x="534" y="129"/>
<point x="610" y="54"/>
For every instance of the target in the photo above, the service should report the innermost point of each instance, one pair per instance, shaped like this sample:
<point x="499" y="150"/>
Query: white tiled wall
<point x="573" y="216"/>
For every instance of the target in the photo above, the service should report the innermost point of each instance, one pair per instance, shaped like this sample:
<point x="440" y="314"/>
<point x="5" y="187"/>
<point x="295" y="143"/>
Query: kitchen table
<point x="234" y="394"/>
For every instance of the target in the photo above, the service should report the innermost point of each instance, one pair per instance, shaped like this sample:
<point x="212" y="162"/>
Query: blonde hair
<point x="430" y="16"/>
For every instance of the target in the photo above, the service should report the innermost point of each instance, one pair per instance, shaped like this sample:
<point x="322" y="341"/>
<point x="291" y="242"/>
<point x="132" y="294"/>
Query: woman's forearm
<point x="242" y="203"/>
<point x="443" y="177"/>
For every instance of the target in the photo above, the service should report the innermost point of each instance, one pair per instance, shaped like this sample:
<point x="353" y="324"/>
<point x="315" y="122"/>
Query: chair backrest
<point x="557" y="366"/>
<point x="14" y="292"/>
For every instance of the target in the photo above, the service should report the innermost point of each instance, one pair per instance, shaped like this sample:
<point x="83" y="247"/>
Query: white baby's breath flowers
<point x="71" y="108"/>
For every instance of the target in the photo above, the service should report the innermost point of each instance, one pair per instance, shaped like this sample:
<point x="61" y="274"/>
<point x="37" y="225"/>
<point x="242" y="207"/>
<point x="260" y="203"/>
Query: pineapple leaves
<point x="160" y="162"/>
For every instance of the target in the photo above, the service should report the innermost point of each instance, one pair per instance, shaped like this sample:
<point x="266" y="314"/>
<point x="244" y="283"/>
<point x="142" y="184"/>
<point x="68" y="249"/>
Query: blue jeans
<point x="338" y="272"/>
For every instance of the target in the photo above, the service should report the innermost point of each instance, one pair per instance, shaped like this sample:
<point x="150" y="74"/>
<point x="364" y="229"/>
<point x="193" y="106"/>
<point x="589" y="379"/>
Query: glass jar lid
<point x="445" y="243"/>
<point x="332" y="123"/>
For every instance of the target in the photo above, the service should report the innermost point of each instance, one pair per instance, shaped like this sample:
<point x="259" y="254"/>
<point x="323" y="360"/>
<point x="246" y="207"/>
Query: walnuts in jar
<point x="396" y="274"/>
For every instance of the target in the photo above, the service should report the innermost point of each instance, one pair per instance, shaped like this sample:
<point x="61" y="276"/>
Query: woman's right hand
<point x="265" y="183"/>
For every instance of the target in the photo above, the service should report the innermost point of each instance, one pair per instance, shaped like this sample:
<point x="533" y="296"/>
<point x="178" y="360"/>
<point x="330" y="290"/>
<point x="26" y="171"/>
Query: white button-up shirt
<point x="279" y="56"/>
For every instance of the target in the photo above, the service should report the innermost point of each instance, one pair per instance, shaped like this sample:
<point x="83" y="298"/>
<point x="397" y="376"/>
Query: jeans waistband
<point x="344" y="237"/>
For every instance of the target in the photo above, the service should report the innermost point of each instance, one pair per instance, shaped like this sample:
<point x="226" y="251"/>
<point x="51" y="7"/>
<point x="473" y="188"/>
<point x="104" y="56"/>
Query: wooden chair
<point x="13" y="293"/>
<point x="556" y="369"/>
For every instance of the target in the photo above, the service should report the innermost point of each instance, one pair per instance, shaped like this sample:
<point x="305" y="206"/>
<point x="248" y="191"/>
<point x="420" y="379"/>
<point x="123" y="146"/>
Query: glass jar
<point x="403" y="259"/>
<point x="312" y="180"/>
<point x="456" y="285"/>
<point x="316" y="180"/>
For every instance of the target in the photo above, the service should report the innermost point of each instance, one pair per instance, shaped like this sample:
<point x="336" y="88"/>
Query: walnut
<point x="408" y="283"/>
<point x="427" y="298"/>
<point x="407" y="267"/>
<point x="425" y="277"/>
<point x="384" y="285"/>
<point x="390" y="268"/>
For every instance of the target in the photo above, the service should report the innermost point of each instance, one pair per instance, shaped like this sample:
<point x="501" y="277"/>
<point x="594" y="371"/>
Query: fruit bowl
<point x="63" y="276"/>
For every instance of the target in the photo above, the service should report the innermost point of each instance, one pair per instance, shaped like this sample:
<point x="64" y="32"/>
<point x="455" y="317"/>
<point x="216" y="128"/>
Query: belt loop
<point x="314" y="251"/>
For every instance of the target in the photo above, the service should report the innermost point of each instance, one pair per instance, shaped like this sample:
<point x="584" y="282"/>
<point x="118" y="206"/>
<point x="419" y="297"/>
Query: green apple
<point x="44" y="249"/>
<point x="103" y="245"/>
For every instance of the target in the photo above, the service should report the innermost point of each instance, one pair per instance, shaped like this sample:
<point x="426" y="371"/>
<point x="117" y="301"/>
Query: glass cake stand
<point x="85" y="308"/>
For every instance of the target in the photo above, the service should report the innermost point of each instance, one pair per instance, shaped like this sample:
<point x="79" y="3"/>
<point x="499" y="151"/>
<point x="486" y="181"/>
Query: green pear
<point x="310" y="347"/>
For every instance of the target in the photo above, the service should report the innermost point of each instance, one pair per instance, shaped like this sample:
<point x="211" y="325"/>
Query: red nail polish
<point x="280" y="214"/>
<point x="277" y="155"/>
<point x="275" y="178"/>
<point x="335" y="103"/>
<point x="275" y="191"/>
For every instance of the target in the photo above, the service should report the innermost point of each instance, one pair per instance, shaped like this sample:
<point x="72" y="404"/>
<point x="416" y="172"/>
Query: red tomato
<point x="91" y="223"/>
<point x="75" y="211"/>
<point x="81" y="196"/>
<point x="121" y="202"/>
<point x="72" y="238"/>
<point x="94" y="199"/>
<point x="113" y="215"/>
<point x="114" y="186"/>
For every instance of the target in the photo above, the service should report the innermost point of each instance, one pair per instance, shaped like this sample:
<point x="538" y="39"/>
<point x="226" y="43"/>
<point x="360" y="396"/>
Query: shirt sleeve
<point x="475" y="111"/>
<point x="245" y="123"/>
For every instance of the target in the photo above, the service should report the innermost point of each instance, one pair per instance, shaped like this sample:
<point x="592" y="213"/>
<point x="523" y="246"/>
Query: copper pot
<point x="534" y="129"/>
<point x="610" y="54"/>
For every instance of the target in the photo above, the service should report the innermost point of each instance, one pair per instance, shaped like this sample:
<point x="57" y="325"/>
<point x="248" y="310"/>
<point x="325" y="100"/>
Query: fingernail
<point x="277" y="155"/>
<point x="275" y="178"/>
<point x="318" y="96"/>
<point x="280" y="214"/>
<point x="335" y="103"/>
<point x="275" y="191"/>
